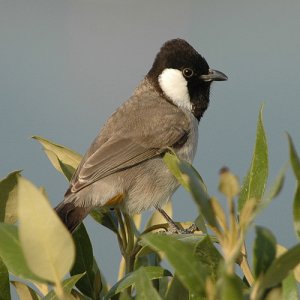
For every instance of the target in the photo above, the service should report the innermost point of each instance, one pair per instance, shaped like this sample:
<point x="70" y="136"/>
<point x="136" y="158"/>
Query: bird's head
<point x="183" y="76"/>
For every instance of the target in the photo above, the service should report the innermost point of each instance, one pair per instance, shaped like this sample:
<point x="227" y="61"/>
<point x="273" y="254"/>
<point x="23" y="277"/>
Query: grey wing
<point x="124" y="147"/>
<point x="117" y="155"/>
<point x="113" y="156"/>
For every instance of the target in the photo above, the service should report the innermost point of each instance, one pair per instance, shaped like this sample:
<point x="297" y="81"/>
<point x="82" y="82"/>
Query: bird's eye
<point x="187" y="72"/>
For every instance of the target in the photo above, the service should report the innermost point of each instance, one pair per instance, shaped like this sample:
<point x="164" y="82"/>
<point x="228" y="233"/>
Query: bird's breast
<point x="188" y="150"/>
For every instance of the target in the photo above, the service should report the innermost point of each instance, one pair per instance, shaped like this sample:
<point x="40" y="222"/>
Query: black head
<point x="183" y="76"/>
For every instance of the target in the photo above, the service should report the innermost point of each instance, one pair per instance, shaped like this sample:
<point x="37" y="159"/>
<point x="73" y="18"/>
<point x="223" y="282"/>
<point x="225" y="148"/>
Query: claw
<point x="174" y="228"/>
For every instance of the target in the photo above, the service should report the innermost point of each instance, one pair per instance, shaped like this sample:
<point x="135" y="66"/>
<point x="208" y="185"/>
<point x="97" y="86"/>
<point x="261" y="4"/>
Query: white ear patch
<point x="174" y="85"/>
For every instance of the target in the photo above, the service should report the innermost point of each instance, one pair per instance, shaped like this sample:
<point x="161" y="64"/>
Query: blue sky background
<point x="65" y="66"/>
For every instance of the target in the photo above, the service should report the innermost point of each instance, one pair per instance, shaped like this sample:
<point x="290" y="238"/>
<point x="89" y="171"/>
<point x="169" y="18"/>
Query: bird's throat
<point x="198" y="108"/>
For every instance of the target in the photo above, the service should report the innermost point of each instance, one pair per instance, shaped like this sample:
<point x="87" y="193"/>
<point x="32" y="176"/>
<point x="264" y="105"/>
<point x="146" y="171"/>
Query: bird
<point x="124" y="168"/>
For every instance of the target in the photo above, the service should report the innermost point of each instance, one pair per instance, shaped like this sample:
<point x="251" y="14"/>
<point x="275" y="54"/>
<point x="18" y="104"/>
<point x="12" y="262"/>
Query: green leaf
<point x="296" y="210"/>
<point x="190" y="179"/>
<point x="84" y="262"/>
<point x="144" y="287"/>
<point x="173" y="163"/>
<point x="274" y="190"/>
<point x="67" y="285"/>
<point x="176" y="290"/>
<point x="294" y="158"/>
<point x="264" y="250"/>
<point x="62" y="158"/>
<point x="67" y="170"/>
<point x="281" y="267"/>
<point x="162" y="286"/>
<point x="76" y="295"/>
<point x="199" y="194"/>
<point x="146" y="257"/>
<point x="255" y="182"/>
<point x="190" y="239"/>
<point x="12" y="254"/>
<point x="24" y="291"/>
<point x="200" y="223"/>
<point x="193" y="183"/>
<point x="105" y="217"/>
<point x="123" y="296"/>
<point x="8" y="200"/>
<point x="289" y="288"/>
<point x="48" y="246"/>
<point x="130" y="279"/>
<point x="4" y="282"/>
<point x="231" y="288"/>
<point x="209" y="256"/>
<point x="295" y="162"/>
<point x="279" y="251"/>
<point x="191" y="272"/>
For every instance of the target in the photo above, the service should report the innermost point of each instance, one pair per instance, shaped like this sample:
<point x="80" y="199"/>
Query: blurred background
<point x="66" y="65"/>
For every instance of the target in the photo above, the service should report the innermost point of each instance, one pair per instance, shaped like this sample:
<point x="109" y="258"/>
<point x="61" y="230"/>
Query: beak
<point x="214" y="75"/>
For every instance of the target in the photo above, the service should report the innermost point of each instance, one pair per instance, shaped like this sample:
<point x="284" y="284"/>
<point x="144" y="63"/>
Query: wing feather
<point x="152" y="125"/>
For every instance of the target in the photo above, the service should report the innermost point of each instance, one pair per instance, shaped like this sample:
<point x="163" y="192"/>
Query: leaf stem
<point x="130" y="233"/>
<point x="123" y="237"/>
<point x="59" y="289"/>
<point x="121" y="269"/>
<point x="129" y="255"/>
<point x="245" y="266"/>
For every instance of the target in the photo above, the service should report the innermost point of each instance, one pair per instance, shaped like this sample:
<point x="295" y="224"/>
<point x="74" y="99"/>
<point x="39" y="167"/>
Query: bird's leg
<point x="173" y="227"/>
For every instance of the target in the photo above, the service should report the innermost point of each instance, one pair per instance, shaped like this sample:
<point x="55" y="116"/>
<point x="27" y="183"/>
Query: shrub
<point x="39" y="251"/>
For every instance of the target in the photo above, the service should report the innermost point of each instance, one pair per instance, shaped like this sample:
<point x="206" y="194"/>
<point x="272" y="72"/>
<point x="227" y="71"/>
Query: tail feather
<point x="71" y="215"/>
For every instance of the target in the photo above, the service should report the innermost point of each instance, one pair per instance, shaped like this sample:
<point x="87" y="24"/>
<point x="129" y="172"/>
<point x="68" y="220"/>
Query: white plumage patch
<point x="174" y="85"/>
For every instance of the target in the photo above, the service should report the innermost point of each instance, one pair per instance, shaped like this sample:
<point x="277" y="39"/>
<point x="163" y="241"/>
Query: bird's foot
<point x="175" y="229"/>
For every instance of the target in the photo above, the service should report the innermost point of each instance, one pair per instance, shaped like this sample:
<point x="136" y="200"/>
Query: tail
<point x="71" y="215"/>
